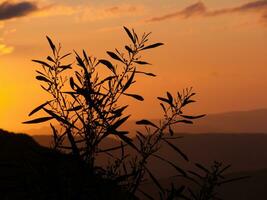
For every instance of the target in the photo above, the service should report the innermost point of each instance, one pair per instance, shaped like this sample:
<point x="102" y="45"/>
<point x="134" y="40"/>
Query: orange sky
<point x="219" y="47"/>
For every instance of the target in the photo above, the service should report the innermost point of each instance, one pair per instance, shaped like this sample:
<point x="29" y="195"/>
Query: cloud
<point x="193" y="10"/>
<point x="199" y="9"/>
<point x="100" y="13"/>
<point x="9" y="10"/>
<point x="5" y="49"/>
<point x="87" y="13"/>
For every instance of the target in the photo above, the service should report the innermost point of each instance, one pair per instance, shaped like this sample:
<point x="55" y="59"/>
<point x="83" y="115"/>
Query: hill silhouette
<point x="31" y="171"/>
<point x="244" y="151"/>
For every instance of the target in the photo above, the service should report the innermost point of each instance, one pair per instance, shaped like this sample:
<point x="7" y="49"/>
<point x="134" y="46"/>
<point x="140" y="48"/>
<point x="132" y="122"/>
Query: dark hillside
<point x="30" y="171"/>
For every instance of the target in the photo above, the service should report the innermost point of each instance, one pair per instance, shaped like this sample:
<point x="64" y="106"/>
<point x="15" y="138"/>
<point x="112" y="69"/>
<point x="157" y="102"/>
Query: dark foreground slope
<point x="30" y="171"/>
<point x="247" y="153"/>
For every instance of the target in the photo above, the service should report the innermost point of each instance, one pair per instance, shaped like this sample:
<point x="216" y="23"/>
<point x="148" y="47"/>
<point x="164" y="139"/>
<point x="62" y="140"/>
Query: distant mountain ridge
<point x="252" y="121"/>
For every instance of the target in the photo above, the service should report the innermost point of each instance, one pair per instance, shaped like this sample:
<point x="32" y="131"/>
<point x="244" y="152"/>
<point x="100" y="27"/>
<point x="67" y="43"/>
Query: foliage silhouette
<point x="86" y="106"/>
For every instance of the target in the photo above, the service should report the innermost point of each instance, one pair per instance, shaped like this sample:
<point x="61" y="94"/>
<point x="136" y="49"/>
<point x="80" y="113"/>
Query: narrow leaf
<point x="129" y="34"/>
<point x="129" y="82"/>
<point x="155" y="180"/>
<point x="163" y="99"/>
<point x="119" y="123"/>
<point x="65" y="56"/>
<point x="176" y="149"/>
<point x="128" y="49"/>
<point x="185" y="121"/>
<point x="202" y="167"/>
<point x="53" y="47"/>
<point x="107" y="64"/>
<point x="42" y="63"/>
<point x="192" y="117"/>
<point x="50" y="59"/>
<point x="170" y="98"/>
<point x="142" y="62"/>
<point x="172" y="164"/>
<point x="152" y="46"/>
<point x="146" y="122"/>
<point x="39" y="108"/>
<point x="42" y="78"/>
<point x="38" y="120"/>
<point x="114" y="56"/>
<point x="75" y="108"/>
<point x="138" y="97"/>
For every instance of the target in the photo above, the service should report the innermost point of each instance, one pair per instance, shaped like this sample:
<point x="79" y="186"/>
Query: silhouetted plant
<point x="208" y="181"/>
<point x="87" y="109"/>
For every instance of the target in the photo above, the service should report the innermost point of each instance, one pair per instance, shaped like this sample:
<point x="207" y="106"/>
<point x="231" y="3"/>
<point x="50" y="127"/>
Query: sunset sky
<point x="219" y="47"/>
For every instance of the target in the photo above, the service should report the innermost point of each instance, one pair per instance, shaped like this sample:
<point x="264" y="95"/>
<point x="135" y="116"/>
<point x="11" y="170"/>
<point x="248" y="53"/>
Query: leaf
<point x="85" y="57"/>
<point x="152" y="46"/>
<point x="38" y="120"/>
<point x="42" y="78"/>
<point x="163" y="107"/>
<point x="163" y="99"/>
<point x="129" y="82"/>
<point x="57" y="117"/>
<point x="146" y="122"/>
<point x="39" y="108"/>
<point x="176" y="149"/>
<point x="128" y="49"/>
<point x="65" y="66"/>
<point x="202" y="167"/>
<point x="184" y="121"/>
<point x="118" y="123"/>
<point x="127" y="140"/>
<point x="119" y="111"/>
<point x="114" y="56"/>
<point x="192" y="117"/>
<point x="53" y="47"/>
<point x="50" y="59"/>
<point x="146" y="73"/>
<point x="142" y="62"/>
<point x="41" y="73"/>
<point x="75" y="108"/>
<point x="172" y="164"/>
<point x="107" y="64"/>
<point x="129" y="34"/>
<point x="72" y="83"/>
<point x="138" y="97"/>
<point x="154" y="180"/>
<point x="42" y="63"/>
<point x="80" y="61"/>
<point x="65" y="56"/>
<point x="170" y="98"/>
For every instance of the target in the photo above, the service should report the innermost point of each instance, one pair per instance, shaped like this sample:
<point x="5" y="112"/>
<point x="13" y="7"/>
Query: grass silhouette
<point x="87" y="109"/>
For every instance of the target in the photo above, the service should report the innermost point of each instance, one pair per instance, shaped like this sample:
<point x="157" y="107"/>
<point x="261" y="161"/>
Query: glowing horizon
<point x="217" y="47"/>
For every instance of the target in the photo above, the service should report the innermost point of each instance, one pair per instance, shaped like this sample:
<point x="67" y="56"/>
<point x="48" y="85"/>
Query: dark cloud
<point x="10" y="10"/>
<point x="193" y="10"/>
<point x="253" y="6"/>
<point x="199" y="9"/>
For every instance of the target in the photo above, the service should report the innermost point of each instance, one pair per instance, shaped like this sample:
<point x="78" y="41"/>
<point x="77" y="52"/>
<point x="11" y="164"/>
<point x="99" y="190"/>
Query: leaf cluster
<point x="84" y="110"/>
